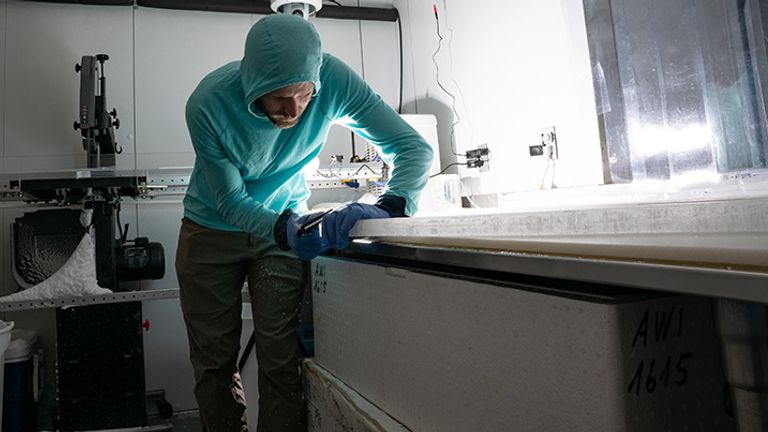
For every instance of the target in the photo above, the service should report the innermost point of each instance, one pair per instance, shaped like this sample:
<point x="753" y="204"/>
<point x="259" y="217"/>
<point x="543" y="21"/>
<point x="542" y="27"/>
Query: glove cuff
<point x="392" y="204"/>
<point x="280" y="230"/>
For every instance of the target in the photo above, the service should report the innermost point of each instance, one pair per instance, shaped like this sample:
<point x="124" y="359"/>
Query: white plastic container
<point x="5" y="339"/>
<point x="442" y="193"/>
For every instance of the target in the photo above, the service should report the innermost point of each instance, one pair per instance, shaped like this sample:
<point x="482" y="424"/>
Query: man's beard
<point x="283" y="122"/>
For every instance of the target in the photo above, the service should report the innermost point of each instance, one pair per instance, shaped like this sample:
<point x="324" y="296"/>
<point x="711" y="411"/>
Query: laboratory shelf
<point x="115" y="297"/>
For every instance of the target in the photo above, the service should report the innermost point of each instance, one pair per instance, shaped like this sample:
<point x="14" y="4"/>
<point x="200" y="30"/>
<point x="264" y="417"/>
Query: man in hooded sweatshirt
<point x="254" y="125"/>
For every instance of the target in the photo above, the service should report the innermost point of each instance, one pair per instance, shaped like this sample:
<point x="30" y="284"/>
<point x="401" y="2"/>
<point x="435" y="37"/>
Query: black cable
<point x="400" y="37"/>
<point x="246" y="351"/>
<point x="123" y="231"/>
<point x="437" y="78"/>
<point x="446" y="168"/>
<point x="335" y="2"/>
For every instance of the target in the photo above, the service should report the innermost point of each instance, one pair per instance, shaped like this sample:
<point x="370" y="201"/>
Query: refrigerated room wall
<point x="156" y="58"/>
<point x="515" y="68"/>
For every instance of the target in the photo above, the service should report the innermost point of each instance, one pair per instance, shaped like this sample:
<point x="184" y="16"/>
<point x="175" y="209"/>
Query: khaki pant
<point x="212" y="266"/>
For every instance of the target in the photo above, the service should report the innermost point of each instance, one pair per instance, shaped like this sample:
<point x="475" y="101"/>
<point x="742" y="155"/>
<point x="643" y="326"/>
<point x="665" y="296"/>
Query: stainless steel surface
<point x="713" y="282"/>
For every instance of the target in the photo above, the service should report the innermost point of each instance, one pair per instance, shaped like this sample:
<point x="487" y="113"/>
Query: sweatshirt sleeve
<point x="360" y="109"/>
<point x="223" y="178"/>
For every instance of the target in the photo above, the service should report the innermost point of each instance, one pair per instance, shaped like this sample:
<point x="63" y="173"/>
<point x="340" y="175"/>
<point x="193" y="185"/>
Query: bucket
<point x="5" y="339"/>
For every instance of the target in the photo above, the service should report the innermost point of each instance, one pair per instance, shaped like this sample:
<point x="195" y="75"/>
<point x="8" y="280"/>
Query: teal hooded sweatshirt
<point x="248" y="171"/>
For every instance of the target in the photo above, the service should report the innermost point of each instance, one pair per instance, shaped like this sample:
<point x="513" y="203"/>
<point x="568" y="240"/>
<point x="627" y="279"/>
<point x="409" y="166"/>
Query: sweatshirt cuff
<point x="392" y="204"/>
<point x="280" y="231"/>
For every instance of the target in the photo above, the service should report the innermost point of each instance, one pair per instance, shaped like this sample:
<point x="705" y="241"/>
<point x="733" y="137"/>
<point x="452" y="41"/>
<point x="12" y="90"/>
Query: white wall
<point x="157" y="57"/>
<point x="518" y="66"/>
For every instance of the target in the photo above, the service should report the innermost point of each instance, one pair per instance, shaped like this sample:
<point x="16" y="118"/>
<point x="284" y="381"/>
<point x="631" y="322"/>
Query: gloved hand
<point x="305" y="245"/>
<point x="338" y="223"/>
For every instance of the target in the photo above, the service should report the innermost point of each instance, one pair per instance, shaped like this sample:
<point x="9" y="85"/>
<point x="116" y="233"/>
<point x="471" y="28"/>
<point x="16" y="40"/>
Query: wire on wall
<point x="453" y="79"/>
<point x="442" y="87"/>
<point x="446" y="168"/>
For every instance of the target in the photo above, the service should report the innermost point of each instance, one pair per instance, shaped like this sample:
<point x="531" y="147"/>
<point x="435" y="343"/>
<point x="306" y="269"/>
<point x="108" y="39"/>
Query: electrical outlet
<point x="536" y="150"/>
<point x="548" y="143"/>
<point x="479" y="157"/>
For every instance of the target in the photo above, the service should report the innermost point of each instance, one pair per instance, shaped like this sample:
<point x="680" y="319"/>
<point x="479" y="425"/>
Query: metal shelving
<point x="117" y="297"/>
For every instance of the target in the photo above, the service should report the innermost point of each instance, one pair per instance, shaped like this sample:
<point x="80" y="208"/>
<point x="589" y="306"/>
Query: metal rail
<point x="117" y="297"/>
<point x="712" y="282"/>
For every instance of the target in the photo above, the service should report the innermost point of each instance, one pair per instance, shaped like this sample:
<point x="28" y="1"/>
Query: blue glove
<point x="305" y="245"/>
<point x="338" y="223"/>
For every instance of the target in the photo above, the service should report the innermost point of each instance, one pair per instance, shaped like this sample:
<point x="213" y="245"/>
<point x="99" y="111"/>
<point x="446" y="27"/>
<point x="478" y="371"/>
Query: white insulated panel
<point x="517" y="67"/>
<point x="342" y="39"/>
<point x="409" y="95"/>
<point x="174" y="51"/>
<point x="166" y="350"/>
<point x="441" y="354"/>
<point x="161" y="223"/>
<point x="166" y="353"/>
<point x="43" y="43"/>
<point x="381" y="59"/>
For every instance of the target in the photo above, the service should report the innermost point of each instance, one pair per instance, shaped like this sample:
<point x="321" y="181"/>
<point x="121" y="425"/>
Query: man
<point x="254" y="124"/>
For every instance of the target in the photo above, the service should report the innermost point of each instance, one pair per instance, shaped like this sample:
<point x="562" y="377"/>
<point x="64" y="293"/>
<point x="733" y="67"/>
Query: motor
<point x="120" y="259"/>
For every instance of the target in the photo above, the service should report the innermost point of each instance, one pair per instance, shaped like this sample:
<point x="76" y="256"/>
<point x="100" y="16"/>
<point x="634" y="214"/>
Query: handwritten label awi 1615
<point x="319" y="284"/>
<point x="660" y="371"/>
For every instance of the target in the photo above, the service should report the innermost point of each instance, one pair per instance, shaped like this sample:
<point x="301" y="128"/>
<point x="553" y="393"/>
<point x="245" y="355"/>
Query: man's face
<point x="285" y="106"/>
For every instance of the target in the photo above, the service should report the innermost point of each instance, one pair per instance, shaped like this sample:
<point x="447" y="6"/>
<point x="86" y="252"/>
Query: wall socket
<point x="479" y="157"/>
<point x="547" y="144"/>
<point x="549" y="141"/>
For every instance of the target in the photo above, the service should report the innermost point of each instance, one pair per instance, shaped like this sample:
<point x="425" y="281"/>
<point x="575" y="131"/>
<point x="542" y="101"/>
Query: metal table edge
<point x="704" y="281"/>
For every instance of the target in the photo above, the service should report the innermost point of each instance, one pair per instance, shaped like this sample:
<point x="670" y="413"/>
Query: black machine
<point x="116" y="260"/>
<point x="120" y="259"/>
<point x="96" y="124"/>
<point x="101" y="188"/>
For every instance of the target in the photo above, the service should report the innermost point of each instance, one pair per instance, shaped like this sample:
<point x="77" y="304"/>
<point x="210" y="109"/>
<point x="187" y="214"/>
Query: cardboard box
<point x="334" y="407"/>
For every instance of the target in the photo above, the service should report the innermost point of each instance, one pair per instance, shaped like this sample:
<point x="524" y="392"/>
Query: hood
<point x="279" y="50"/>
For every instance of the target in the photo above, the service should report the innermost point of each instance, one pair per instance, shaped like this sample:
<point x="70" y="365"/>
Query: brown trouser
<point x="212" y="266"/>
